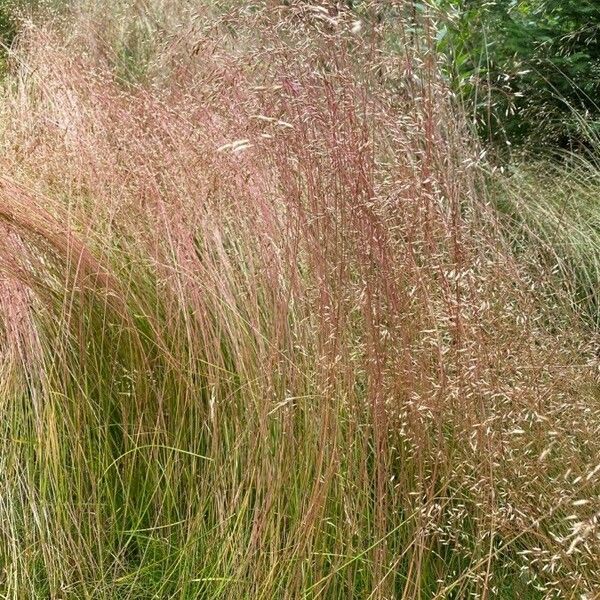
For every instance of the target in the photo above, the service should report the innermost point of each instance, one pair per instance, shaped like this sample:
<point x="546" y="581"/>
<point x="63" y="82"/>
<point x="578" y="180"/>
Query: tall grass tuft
<point x="550" y="209"/>
<point x="260" y="336"/>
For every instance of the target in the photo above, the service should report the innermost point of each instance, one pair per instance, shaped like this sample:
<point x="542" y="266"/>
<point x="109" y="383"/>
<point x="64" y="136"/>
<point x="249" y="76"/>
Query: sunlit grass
<point x="261" y="336"/>
<point x="552" y="213"/>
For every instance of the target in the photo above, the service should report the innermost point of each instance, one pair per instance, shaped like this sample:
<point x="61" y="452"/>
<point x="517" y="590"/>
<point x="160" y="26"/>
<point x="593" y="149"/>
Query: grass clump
<point x="261" y="337"/>
<point x="550" y="208"/>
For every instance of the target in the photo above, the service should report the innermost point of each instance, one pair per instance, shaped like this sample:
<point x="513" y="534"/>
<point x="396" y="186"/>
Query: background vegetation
<point x="528" y="69"/>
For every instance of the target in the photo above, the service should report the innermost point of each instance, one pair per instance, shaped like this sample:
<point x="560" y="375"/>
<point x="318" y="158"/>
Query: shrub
<point x="526" y="66"/>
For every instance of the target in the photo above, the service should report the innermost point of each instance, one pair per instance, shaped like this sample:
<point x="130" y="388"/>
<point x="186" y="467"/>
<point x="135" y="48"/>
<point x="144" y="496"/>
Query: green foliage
<point x="8" y="26"/>
<point x="525" y="67"/>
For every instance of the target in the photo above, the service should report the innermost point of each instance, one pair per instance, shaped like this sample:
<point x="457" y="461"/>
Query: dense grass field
<point x="273" y="327"/>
